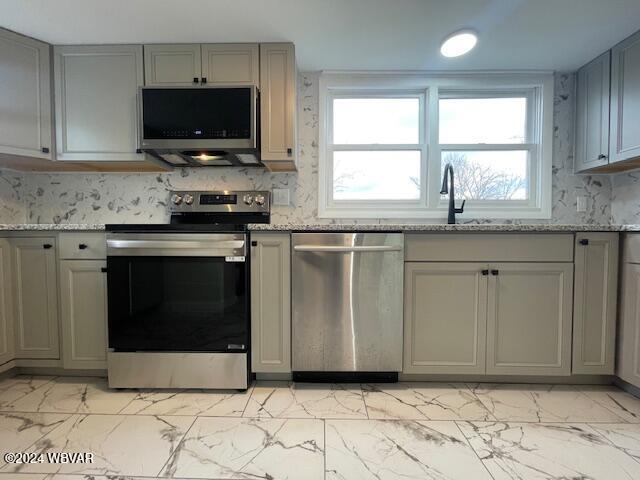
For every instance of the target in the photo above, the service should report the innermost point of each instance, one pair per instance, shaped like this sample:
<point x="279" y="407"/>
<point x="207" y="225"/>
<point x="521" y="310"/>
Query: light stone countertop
<point x="422" y="227"/>
<point x="51" y="227"/>
<point x="442" y="227"/>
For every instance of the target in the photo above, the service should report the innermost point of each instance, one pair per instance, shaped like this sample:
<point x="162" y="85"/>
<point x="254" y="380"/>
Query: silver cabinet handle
<point x="339" y="249"/>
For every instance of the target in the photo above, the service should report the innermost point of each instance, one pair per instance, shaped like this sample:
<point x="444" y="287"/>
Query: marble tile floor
<point x="282" y="430"/>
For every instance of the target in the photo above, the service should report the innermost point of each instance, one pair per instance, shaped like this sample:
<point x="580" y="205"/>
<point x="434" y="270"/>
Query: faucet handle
<point x="461" y="209"/>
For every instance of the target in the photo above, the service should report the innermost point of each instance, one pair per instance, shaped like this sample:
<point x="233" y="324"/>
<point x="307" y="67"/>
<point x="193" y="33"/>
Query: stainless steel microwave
<point x="200" y="126"/>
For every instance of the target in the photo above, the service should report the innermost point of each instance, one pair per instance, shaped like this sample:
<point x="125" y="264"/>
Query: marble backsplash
<point x="142" y="198"/>
<point x="12" y="206"/>
<point x="625" y="198"/>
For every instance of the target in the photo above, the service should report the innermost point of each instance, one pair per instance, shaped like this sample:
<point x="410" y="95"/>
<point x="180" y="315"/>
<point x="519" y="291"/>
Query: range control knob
<point x="247" y="199"/>
<point x="176" y="199"/>
<point x="260" y="200"/>
<point x="188" y="198"/>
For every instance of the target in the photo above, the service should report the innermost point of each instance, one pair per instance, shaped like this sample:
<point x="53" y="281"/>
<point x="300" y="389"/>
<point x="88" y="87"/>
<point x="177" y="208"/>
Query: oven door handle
<point x="177" y="244"/>
<point x="341" y="249"/>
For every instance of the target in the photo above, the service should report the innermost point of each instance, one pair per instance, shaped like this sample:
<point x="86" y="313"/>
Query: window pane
<point x="483" y="120"/>
<point x="489" y="175"/>
<point x="376" y="175"/>
<point x="376" y="120"/>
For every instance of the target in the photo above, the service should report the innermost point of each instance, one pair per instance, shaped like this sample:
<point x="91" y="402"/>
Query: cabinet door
<point x="278" y="105"/>
<point x="35" y="297"/>
<point x="625" y="99"/>
<point x="25" y="96"/>
<point x="83" y="307"/>
<point x="628" y="365"/>
<point x="6" y="303"/>
<point x="96" y="106"/>
<point x="445" y="314"/>
<point x="529" y="318"/>
<point x="231" y="64"/>
<point x="594" y="303"/>
<point x="592" y="114"/>
<point x="270" y="303"/>
<point x="172" y="65"/>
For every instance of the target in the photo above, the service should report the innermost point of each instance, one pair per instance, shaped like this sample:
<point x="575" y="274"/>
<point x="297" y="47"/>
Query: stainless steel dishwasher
<point x="347" y="303"/>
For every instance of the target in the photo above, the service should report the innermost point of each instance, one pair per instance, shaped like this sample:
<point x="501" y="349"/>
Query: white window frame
<point x="538" y="87"/>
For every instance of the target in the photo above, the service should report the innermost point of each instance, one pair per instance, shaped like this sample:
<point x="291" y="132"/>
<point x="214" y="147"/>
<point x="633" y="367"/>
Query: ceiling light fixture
<point x="459" y="43"/>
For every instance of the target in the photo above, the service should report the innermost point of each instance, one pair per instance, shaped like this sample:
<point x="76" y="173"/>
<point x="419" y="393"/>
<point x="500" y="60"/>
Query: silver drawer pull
<point x="339" y="249"/>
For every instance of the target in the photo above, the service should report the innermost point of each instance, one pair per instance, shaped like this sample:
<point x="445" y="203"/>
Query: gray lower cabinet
<point x="529" y="318"/>
<point x="628" y="357"/>
<point x="35" y="295"/>
<point x="445" y="317"/>
<point x="629" y="349"/>
<point x="270" y="303"/>
<point x="6" y="303"/>
<point x="499" y="318"/>
<point x="83" y="308"/>
<point x="595" y="303"/>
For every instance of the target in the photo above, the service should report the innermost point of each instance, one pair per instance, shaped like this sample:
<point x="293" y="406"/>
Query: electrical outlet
<point x="581" y="203"/>
<point x="281" y="196"/>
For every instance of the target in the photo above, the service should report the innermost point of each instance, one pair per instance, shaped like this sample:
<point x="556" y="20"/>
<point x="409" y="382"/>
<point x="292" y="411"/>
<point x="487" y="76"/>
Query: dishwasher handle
<point x="345" y="249"/>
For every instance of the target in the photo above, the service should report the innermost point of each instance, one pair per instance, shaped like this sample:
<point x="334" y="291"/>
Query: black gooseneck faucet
<point x="448" y="187"/>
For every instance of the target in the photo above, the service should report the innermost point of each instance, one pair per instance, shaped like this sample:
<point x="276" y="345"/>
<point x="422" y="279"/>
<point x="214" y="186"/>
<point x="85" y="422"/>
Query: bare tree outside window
<point x="479" y="180"/>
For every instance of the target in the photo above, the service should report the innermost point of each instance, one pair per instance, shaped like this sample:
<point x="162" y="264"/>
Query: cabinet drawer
<point x="79" y="246"/>
<point x="485" y="247"/>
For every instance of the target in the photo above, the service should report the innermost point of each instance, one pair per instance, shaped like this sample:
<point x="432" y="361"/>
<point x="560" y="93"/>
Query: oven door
<point x="177" y="292"/>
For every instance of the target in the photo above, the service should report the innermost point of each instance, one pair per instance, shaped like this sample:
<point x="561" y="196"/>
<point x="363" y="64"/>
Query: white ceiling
<point x="348" y="34"/>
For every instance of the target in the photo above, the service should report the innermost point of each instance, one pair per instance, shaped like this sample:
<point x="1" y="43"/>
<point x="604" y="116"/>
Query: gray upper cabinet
<point x="206" y="64"/>
<point x="445" y="317"/>
<point x="595" y="303"/>
<point x="25" y="97"/>
<point x="529" y="318"/>
<point x="278" y="79"/>
<point x="172" y="65"/>
<point x="592" y="114"/>
<point x="625" y="100"/>
<point x="231" y="64"/>
<point x="35" y="297"/>
<point x="95" y="102"/>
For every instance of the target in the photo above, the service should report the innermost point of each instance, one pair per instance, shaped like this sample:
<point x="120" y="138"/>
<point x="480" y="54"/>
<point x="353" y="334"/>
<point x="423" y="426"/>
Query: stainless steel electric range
<point x="178" y="294"/>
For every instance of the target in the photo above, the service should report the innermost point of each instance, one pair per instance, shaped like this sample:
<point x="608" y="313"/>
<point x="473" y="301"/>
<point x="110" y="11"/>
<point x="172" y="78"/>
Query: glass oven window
<point x="177" y="304"/>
